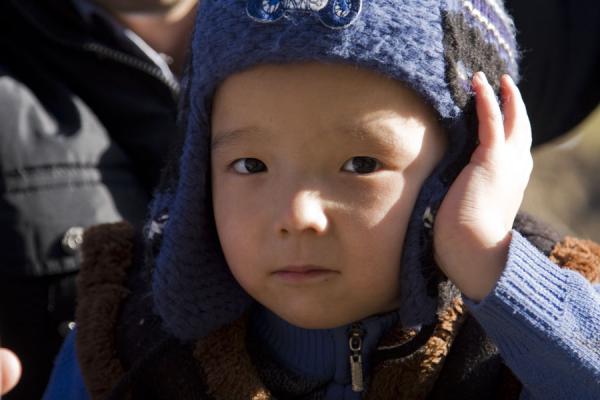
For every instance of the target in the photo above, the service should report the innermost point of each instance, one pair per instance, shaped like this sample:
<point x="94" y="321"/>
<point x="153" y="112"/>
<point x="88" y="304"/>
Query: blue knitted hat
<point x="433" y="47"/>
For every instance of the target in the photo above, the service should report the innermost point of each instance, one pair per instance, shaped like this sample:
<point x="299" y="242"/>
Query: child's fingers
<point x="491" y="127"/>
<point x="516" y="122"/>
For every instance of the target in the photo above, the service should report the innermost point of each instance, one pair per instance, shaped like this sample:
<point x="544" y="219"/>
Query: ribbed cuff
<point x="528" y="299"/>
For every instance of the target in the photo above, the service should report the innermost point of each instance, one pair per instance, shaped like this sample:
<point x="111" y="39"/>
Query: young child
<point x="337" y="153"/>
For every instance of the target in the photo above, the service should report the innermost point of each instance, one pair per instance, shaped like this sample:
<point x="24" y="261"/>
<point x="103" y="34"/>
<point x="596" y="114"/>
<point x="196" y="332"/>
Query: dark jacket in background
<point x="85" y="125"/>
<point x="560" y="44"/>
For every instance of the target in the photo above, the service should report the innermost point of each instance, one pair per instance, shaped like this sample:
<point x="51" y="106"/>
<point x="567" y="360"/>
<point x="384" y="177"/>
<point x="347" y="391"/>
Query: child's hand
<point x="472" y="229"/>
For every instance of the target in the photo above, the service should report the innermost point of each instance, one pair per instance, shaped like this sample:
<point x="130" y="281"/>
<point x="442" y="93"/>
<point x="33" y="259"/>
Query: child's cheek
<point x="370" y="200"/>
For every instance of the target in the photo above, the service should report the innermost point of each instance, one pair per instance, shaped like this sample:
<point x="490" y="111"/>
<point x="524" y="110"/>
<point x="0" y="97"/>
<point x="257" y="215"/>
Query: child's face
<point x="315" y="170"/>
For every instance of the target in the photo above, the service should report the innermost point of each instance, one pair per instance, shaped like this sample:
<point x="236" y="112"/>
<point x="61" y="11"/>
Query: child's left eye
<point x="361" y="165"/>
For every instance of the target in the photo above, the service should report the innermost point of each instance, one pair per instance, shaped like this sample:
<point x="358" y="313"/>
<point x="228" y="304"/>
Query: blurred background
<point x="564" y="189"/>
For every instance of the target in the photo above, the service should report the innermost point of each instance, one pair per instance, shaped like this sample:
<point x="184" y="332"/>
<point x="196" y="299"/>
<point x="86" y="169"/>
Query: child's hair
<point x="433" y="47"/>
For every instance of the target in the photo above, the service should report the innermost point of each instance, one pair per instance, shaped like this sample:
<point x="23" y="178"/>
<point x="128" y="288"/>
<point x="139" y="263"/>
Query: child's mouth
<point x="304" y="274"/>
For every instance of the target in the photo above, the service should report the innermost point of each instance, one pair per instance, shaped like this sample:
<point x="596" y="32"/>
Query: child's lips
<point x="304" y="273"/>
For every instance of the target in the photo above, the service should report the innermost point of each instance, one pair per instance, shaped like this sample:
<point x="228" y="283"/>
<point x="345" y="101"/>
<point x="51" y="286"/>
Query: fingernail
<point x="509" y="79"/>
<point x="481" y="77"/>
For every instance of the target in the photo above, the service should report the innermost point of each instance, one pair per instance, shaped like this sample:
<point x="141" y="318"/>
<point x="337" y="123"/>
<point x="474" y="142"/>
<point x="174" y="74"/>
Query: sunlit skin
<point x="315" y="172"/>
<point x="10" y="370"/>
<point x="305" y="232"/>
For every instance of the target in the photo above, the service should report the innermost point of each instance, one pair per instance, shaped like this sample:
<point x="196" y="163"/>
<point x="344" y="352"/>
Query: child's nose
<point x="304" y="212"/>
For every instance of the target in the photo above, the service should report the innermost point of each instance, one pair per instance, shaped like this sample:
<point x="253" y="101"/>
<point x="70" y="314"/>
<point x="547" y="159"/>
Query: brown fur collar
<point x="107" y="255"/>
<point x="230" y="373"/>
<point x="413" y="376"/>
<point x="578" y="255"/>
<point x="227" y="366"/>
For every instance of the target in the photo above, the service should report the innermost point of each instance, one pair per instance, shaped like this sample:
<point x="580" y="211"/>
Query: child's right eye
<point x="361" y="165"/>
<point x="248" y="166"/>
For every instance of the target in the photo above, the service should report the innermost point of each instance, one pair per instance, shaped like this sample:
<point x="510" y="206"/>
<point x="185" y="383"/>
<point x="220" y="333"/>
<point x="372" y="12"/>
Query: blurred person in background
<point x="88" y="94"/>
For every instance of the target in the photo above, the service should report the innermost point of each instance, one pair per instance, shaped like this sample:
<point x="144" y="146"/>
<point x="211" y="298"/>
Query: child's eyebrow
<point x="379" y="133"/>
<point x="221" y="139"/>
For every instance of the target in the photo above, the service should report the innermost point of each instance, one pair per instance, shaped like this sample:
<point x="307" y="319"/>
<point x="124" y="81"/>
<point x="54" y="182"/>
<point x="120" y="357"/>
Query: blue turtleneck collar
<point x="323" y="354"/>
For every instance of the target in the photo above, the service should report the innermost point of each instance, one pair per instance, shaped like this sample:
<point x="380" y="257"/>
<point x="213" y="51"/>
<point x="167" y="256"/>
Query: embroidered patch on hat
<point x="335" y="14"/>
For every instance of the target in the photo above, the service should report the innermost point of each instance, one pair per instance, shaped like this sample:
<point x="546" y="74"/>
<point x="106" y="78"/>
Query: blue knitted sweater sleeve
<point x="546" y="323"/>
<point x="66" y="382"/>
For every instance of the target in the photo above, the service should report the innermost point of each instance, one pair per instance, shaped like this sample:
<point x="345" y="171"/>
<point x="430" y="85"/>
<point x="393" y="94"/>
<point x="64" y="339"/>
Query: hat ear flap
<point x="419" y="275"/>
<point x="488" y="49"/>
<point x="193" y="288"/>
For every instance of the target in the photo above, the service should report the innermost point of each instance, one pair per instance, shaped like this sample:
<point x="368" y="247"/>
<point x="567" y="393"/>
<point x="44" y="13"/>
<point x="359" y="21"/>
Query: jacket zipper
<point x="134" y="62"/>
<point x="355" y="341"/>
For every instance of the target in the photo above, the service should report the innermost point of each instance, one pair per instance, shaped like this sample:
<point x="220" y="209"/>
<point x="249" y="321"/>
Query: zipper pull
<point x="356" y="366"/>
